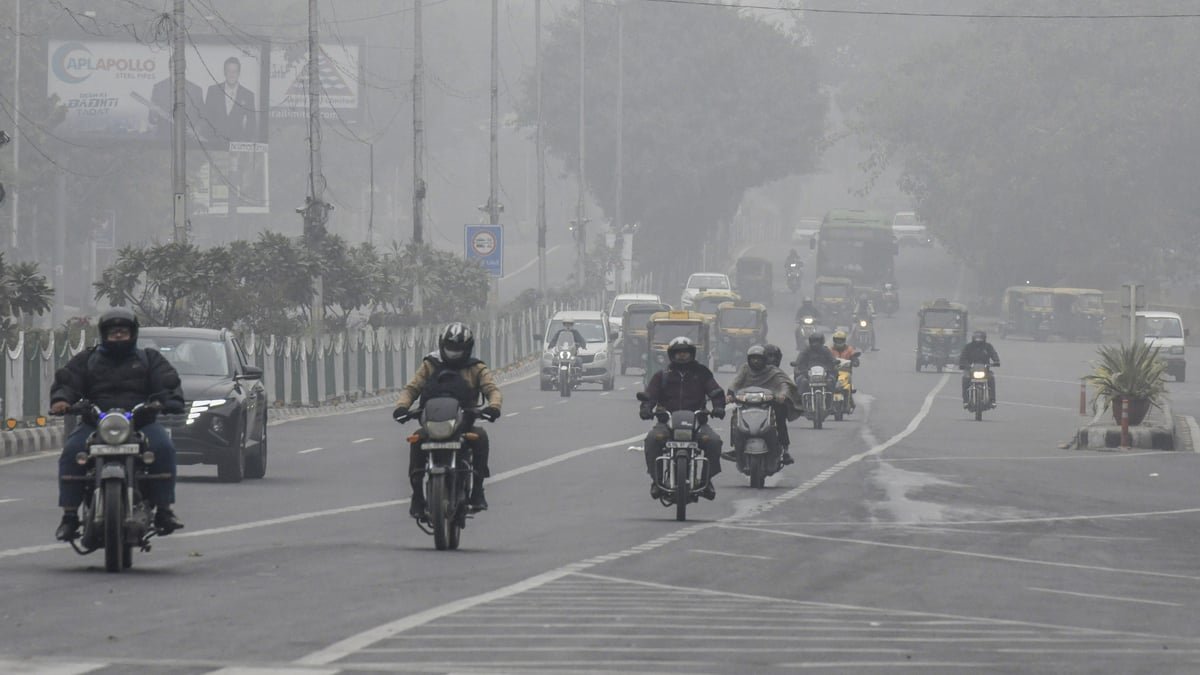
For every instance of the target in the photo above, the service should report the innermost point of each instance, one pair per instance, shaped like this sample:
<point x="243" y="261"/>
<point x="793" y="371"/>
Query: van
<point x="595" y="356"/>
<point x="1165" y="330"/>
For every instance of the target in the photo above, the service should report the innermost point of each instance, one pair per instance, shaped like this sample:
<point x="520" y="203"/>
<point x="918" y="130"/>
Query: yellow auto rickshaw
<point x="633" y="332"/>
<point x="740" y="325"/>
<point x="1028" y="311"/>
<point x="1079" y="313"/>
<point x="666" y="326"/>
<point x="707" y="302"/>
<point x="941" y="333"/>
<point x="834" y="299"/>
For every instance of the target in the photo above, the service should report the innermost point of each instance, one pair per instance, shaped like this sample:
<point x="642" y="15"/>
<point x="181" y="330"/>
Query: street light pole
<point x="16" y="137"/>
<point x="541" y="150"/>
<point x="581" y="206"/>
<point x="178" y="119"/>
<point x="618" y="215"/>
<point x="418" y="235"/>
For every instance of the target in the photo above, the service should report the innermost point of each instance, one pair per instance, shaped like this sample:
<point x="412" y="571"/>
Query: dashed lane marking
<point x="10" y="500"/>
<point x="1015" y="458"/>
<point x="363" y="440"/>
<point x="731" y="555"/>
<point x="537" y="407"/>
<point x="1104" y="597"/>
<point x="305" y="452"/>
<point x="512" y="414"/>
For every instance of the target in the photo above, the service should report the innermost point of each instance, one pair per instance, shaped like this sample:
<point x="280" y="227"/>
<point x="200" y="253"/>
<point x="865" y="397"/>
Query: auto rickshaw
<point x="1079" y="313"/>
<point x="740" y="325"/>
<point x="1028" y="311"/>
<point x="753" y="279"/>
<point x="707" y="302"/>
<point x="666" y="326"/>
<point x="941" y="333"/>
<point x="633" y="332"/>
<point x="834" y="298"/>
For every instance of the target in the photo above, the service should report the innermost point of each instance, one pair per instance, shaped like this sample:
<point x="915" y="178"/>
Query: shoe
<point x="655" y="491"/>
<point x="729" y="456"/>
<point x="416" y="508"/>
<point x="478" y="500"/>
<point x="786" y="459"/>
<point x="709" y="492"/>
<point x="68" y="529"/>
<point x="165" y="521"/>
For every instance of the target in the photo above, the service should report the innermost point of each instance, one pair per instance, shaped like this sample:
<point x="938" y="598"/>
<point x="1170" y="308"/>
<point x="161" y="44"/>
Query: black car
<point x="226" y="419"/>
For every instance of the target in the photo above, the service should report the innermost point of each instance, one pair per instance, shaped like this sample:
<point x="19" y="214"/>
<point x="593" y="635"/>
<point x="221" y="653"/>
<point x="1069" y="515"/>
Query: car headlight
<point x="601" y="356"/>
<point x="200" y="407"/>
<point x="440" y="431"/>
<point x="114" y="429"/>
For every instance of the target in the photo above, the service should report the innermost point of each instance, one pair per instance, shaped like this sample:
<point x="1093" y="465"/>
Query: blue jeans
<point x="160" y="492"/>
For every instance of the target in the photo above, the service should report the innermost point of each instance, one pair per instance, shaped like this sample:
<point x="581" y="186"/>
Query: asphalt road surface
<point x="906" y="539"/>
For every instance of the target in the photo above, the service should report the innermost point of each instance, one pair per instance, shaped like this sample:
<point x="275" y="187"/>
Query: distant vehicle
<point x="909" y="231"/>
<point x="805" y="230"/>
<point x="858" y="245"/>
<point x="703" y="281"/>
<point x="226" y="419"/>
<point x="595" y="357"/>
<point x="1165" y="330"/>
<point x="616" y="313"/>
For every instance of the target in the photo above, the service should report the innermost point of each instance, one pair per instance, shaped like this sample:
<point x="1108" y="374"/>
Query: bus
<point x="857" y="244"/>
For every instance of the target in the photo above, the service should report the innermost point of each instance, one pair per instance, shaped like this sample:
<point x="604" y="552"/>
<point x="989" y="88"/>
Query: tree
<point x="451" y="286"/>
<point x="716" y="102"/>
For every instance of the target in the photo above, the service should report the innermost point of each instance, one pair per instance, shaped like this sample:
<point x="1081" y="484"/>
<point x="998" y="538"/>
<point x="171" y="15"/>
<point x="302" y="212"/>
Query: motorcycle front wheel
<point x="818" y="411"/>
<point x="758" y="470"/>
<point x="439" y="515"/>
<point x="682" y="486"/>
<point x="114" y="532"/>
<point x="564" y="384"/>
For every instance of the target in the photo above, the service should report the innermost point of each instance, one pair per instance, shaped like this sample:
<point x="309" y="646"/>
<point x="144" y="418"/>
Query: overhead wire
<point x="936" y="15"/>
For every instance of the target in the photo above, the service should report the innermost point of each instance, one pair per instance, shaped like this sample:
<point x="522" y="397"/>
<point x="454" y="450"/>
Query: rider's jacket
<point x="684" y="387"/>
<point x="771" y="378"/>
<point x="847" y="352"/>
<point x="816" y="355"/>
<point x="977" y="352"/>
<point x="466" y="383"/>
<point x="118" y="380"/>
<point x="807" y="309"/>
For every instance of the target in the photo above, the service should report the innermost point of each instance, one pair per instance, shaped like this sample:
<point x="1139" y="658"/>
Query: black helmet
<point x="455" y="344"/>
<point x="679" y="346"/>
<point x="119" y="316"/>
<point x="773" y="353"/>
<point x="756" y="358"/>
<point x="979" y="336"/>
<point x="816" y="339"/>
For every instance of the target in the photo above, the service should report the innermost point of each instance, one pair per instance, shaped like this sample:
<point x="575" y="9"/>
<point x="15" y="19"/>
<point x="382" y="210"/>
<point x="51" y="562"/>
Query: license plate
<point x="441" y="445"/>
<point x="111" y="450"/>
<point x="680" y="444"/>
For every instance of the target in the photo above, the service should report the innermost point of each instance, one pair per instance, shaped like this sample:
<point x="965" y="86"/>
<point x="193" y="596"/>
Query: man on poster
<point x="229" y="107"/>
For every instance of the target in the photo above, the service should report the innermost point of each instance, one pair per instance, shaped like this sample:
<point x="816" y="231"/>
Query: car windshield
<point x="665" y="332"/>
<point x="1165" y="327"/>
<point x="191" y="356"/>
<point x="941" y="319"/>
<point x="708" y="281"/>
<point x="619" y="305"/>
<point x="739" y="318"/>
<point x="591" y="330"/>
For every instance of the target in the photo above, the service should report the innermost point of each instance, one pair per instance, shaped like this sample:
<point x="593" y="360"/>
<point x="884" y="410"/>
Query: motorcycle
<point x="443" y="437"/>
<point x="753" y="434"/>
<point x="843" y="391"/>
<point x="816" y="396"/>
<point x="682" y="462"/>
<point x="114" y="514"/>
<point x="889" y="300"/>
<point x="979" y="396"/>
<point x="795" y="275"/>
<point x="566" y="364"/>
<point x="806" y="326"/>
<point x="862" y="334"/>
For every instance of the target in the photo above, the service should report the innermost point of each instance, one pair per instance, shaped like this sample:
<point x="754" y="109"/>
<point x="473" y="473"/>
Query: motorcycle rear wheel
<point x="438" y="516"/>
<point x="682" y="487"/>
<point x="114" y="532"/>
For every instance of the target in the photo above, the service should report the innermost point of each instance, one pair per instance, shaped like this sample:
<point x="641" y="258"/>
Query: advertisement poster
<point x="339" y="70"/>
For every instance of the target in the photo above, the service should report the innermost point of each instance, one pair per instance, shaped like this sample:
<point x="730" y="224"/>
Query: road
<point x="906" y="539"/>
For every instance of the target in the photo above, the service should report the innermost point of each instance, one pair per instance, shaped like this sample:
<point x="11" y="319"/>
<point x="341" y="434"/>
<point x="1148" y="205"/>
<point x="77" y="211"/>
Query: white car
<point x="616" y="313"/>
<point x="595" y="356"/>
<point x="1165" y="331"/>
<point x="703" y="281"/>
<point x="908" y="230"/>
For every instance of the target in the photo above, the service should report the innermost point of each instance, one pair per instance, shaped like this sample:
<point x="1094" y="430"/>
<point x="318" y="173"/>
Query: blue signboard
<point x="485" y="243"/>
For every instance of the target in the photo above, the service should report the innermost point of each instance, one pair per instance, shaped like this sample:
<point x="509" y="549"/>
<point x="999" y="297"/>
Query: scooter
<point x="753" y="434"/>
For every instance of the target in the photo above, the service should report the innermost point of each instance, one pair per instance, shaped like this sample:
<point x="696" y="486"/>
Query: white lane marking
<point x="267" y="670"/>
<point x="1104" y="597"/>
<point x="605" y="393"/>
<point x="537" y="407"/>
<point x="955" y="523"/>
<point x="305" y="452"/>
<point x="46" y="668"/>
<point x="966" y="554"/>
<point x="512" y="473"/>
<point x="37" y="455"/>
<point x="355" y="643"/>
<point x="1073" y="455"/>
<point x="730" y="555"/>
<point x="1195" y="432"/>
<point x="904" y="665"/>
<point x="512" y="414"/>
<point x="363" y="440"/>
<point x="9" y="500"/>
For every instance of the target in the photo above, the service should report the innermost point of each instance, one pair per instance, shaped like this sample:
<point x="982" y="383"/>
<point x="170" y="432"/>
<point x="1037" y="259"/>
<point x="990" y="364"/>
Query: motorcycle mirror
<point x="641" y="396"/>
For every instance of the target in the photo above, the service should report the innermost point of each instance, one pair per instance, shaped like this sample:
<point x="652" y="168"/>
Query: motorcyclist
<point x="452" y="371"/>
<point x="774" y="354"/>
<point x="684" y="384"/>
<point x="807" y="308"/>
<point x="816" y="354"/>
<point x="793" y="260"/>
<point x="865" y="309"/>
<point x="978" y="350"/>
<point x="844" y="350"/>
<point x="117" y="374"/>
<point x="568" y="327"/>
<point x="758" y="372"/>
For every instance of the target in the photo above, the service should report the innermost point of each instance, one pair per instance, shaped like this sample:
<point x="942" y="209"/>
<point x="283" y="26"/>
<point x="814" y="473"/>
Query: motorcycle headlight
<point x="440" y="431"/>
<point x="862" y="324"/>
<point x="564" y="356"/>
<point x="114" y="429"/>
<point x="756" y="397"/>
<point x="808" y="320"/>
<point x="979" y="374"/>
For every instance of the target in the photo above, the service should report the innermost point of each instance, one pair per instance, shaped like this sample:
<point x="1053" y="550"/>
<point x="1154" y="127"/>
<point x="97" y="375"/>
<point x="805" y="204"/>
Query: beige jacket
<point x="477" y="375"/>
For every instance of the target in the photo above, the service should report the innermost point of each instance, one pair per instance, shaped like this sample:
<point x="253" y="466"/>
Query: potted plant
<point x="1129" y="373"/>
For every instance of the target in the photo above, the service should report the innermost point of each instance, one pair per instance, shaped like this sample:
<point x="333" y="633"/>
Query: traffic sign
<point x="485" y="243"/>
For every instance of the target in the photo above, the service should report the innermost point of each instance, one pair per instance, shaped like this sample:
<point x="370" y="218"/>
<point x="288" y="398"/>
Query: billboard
<point x="338" y="68"/>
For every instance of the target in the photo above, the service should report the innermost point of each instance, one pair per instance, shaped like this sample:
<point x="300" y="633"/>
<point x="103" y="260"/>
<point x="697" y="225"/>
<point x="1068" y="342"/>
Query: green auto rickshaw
<point x="834" y="299"/>
<point x="754" y="279"/>
<point x="1028" y="311"/>
<point x="941" y="333"/>
<point x="740" y="325"/>
<point x="633" y="332"/>
<point x="1079" y="313"/>
<point x="666" y="326"/>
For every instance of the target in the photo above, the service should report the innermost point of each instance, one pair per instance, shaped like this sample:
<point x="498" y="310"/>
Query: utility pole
<point x="494" y="207"/>
<point x="316" y="211"/>
<point x="16" y="137"/>
<point x="541" y="150"/>
<point x="619" y="216"/>
<point x="580" y="230"/>
<point x="178" y="145"/>
<point x="418" y="150"/>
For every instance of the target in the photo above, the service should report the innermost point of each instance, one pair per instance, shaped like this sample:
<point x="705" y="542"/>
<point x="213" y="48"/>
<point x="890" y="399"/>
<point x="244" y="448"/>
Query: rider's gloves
<point x="490" y="413"/>
<point x="646" y="413"/>
<point x="400" y="414"/>
<point x="718" y="413"/>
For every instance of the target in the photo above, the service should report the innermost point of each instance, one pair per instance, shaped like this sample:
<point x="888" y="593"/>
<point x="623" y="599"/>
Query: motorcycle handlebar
<point x="476" y="412"/>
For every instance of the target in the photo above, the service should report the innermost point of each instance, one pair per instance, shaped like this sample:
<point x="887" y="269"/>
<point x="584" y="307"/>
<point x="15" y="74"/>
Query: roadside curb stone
<point x="1156" y="432"/>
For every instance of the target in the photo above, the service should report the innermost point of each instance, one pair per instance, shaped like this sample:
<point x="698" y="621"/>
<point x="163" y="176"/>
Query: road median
<point x="1156" y="432"/>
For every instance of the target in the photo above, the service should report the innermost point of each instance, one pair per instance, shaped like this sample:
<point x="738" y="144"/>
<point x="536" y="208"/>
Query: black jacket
<point x="978" y="352"/>
<point x="684" y="388"/>
<point x="807" y="309"/>
<point x="121" y="382"/>
<point x="815" y="355"/>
